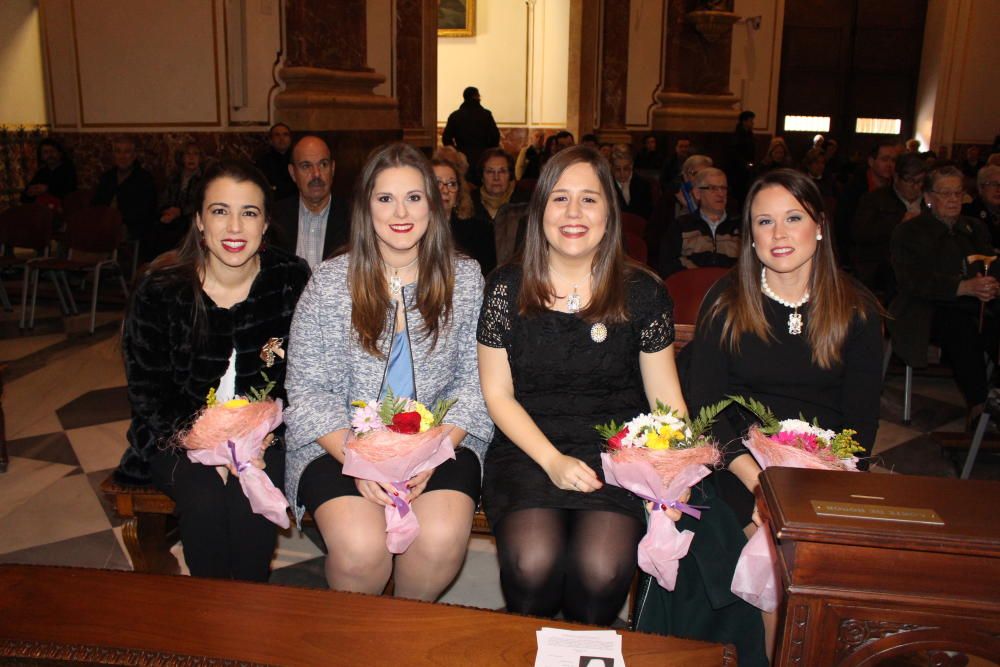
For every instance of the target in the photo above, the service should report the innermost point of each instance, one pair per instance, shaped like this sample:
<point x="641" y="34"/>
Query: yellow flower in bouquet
<point x="664" y="438"/>
<point x="426" y="418"/>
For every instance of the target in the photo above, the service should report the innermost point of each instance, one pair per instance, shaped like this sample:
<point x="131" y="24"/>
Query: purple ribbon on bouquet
<point x="690" y="510"/>
<point x="401" y="505"/>
<point x="240" y="467"/>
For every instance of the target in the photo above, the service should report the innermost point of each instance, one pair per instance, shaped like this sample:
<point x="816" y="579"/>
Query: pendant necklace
<point x="794" y="317"/>
<point x="395" y="284"/>
<point x="573" y="301"/>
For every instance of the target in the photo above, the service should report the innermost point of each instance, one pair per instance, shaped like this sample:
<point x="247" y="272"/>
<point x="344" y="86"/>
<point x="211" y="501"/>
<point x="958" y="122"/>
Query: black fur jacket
<point x="169" y="374"/>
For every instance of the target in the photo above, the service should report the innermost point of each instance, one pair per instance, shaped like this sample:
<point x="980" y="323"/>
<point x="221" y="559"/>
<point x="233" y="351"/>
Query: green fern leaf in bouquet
<point x="770" y="425"/>
<point x="440" y="409"/>
<point x="390" y="406"/>
<point x="258" y="395"/>
<point x="706" y="417"/>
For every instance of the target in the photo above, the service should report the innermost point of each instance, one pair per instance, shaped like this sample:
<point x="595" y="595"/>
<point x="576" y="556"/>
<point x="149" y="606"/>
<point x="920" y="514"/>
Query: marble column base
<point x="316" y="99"/>
<point x="695" y="112"/>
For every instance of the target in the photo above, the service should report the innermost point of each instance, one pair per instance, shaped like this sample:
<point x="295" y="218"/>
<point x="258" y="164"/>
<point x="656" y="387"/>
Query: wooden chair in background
<point x="27" y="227"/>
<point x="93" y="235"/>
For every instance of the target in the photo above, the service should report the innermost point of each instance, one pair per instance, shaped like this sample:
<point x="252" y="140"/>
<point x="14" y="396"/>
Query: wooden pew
<point x="148" y="531"/>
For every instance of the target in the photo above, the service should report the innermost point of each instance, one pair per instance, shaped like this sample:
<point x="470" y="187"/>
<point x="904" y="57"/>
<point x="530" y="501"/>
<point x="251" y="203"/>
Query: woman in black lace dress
<point x="571" y="336"/>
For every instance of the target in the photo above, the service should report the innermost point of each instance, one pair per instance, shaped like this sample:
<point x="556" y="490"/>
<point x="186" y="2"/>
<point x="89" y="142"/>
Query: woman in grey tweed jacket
<point x="398" y="310"/>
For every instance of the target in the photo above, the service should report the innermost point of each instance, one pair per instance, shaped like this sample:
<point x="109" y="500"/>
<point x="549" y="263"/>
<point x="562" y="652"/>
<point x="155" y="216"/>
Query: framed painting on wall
<point x="456" y="18"/>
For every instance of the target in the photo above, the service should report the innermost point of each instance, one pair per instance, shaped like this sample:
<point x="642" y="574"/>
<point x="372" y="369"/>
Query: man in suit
<point x="634" y="193"/>
<point x="312" y="224"/>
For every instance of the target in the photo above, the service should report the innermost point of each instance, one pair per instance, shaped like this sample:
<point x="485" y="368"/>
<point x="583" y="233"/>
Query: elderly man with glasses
<point x="945" y="291"/>
<point x="710" y="236"/>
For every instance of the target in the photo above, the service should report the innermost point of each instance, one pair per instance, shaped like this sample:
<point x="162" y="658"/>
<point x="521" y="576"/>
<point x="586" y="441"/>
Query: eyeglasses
<point x="991" y="184"/>
<point x="714" y="188"/>
<point x="495" y="172"/>
<point x="451" y="185"/>
<point x="948" y="194"/>
<point x="913" y="180"/>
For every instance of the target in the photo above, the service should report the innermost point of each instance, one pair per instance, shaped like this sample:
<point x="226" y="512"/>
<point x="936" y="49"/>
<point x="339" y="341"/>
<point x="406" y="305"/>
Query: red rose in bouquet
<point x="406" y="423"/>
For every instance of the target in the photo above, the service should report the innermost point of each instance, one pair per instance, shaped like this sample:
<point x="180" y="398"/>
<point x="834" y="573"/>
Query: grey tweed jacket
<point x="328" y="368"/>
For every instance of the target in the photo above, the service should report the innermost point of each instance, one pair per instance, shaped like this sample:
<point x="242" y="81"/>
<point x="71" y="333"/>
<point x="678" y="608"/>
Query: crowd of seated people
<point x="897" y="233"/>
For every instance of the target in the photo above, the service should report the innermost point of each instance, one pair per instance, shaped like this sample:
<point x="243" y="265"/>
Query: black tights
<point x="221" y="536"/>
<point x="580" y="561"/>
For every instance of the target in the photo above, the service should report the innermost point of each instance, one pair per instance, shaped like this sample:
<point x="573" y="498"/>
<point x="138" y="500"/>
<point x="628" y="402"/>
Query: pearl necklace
<point x="794" y="317"/>
<point x="395" y="284"/>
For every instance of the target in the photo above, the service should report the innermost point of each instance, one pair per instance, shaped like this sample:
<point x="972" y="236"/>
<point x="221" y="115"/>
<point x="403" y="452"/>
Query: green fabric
<point x="701" y="606"/>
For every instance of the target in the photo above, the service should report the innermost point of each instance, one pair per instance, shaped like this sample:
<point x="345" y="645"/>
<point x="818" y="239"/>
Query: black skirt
<point x="324" y="479"/>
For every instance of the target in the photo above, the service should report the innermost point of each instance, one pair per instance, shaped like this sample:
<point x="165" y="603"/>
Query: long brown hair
<point x="835" y="300"/>
<point x="186" y="264"/>
<point x="370" y="298"/>
<point x="610" y="267"/>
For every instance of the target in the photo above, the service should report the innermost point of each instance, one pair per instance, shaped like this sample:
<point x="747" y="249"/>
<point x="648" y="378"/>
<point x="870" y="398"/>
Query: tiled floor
<point x="67" y="415"/>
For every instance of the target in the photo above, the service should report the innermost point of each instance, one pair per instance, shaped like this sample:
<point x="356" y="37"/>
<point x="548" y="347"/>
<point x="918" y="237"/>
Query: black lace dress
<point x="568" y="383"/>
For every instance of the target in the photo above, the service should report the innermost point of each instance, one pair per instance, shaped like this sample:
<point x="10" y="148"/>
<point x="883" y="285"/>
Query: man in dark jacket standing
<point x="471" y="129"/>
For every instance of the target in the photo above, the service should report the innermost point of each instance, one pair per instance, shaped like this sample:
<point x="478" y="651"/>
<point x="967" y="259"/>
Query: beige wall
<point x="958" y="100"/>
<point x="22" y="93"/>
<point x="381" y="43"/>
<point x="645" y="39"/>
<point x="756" y="60"/>
<point x="519" y="60"/>
<point x="147" y="64"/>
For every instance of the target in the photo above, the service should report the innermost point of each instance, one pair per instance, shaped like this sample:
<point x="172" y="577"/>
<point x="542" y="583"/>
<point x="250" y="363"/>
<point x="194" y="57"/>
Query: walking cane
<point x="986" y="260"/>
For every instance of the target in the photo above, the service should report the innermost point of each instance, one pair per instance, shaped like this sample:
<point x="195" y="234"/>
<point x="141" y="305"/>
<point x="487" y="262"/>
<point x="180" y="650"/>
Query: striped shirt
<point x="312" y="233"/>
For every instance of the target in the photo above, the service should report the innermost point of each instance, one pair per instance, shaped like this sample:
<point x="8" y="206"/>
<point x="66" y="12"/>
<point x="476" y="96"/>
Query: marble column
<point x="327" y="83"/>
<point x="695" y="95"/>
<point x="614" y="72"/>
<point x="416" y="70"/>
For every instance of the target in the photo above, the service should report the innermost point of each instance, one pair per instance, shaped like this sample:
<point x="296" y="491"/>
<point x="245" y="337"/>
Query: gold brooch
<point x="272" y="347"/>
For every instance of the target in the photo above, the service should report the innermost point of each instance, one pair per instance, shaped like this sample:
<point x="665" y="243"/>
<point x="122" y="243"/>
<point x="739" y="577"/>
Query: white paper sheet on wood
<point x="579" y="648"/>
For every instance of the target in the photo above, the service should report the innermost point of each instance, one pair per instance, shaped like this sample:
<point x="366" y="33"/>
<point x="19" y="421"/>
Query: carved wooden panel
<point x="106" y="655"/>
<point x="856" y="633"/>
<point x="799" y="619"/>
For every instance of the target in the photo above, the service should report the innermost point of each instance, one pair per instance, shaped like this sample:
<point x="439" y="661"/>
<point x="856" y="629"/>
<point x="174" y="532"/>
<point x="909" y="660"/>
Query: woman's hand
<point x="418" y="483"/>
<point x="572" y="474"/>
<point x="259" y="461"/>
<point x="376" y="492"/>
<point x="672" y="514"/>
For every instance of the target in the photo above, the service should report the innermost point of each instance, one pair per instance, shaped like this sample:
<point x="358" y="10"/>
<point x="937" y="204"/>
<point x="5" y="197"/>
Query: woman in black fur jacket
<point x="198" y="320"/>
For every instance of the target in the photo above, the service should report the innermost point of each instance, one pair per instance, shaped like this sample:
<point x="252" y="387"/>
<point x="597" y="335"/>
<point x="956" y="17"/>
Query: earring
<point x="753" y="244"/>
<point x="819" y="237"/>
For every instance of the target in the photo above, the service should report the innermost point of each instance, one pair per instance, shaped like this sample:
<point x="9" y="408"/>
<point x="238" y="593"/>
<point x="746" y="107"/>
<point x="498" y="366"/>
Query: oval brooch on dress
<point x="598" y="333"/>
